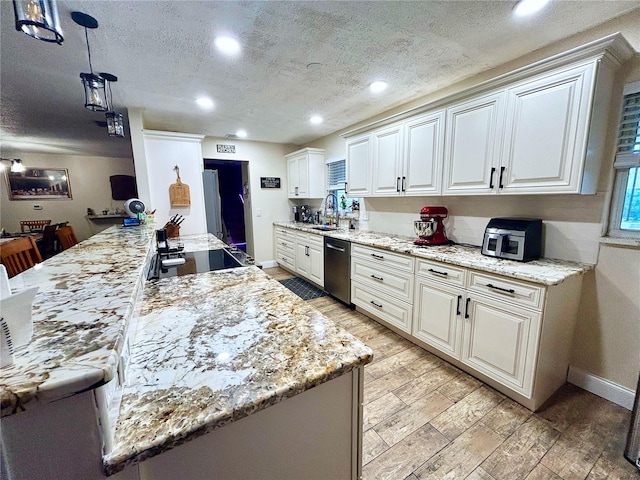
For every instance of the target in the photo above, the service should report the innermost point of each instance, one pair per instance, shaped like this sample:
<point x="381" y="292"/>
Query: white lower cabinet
<point x="515" y="335"/>
<point x="382" y="285"/>
<point x="310" y="257"/>
<point x="285" y="242"/>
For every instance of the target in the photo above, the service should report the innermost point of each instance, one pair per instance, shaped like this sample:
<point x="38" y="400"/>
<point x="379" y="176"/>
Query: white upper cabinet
<point x="541" y="129"/>
<point x="424" y="144"/>
<point x="387" y="160"/>
<point x="472" y="149"/>
<point x="306" y="174"/>
<point x="359" y="166"/>
<point x="546" y="132"/>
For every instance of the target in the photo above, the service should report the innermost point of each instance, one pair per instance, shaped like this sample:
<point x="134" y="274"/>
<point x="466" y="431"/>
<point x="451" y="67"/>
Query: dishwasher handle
<point x="333" y="247"/>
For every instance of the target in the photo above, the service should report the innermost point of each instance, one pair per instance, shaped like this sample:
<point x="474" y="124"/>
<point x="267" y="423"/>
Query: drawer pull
<point x="379" y="257"/>
<point x="377" y="278"/>
<point x="376" y="304"/>
<point x="466" y="308"/>
<point x="510" y="291"/>
<point x="458" y="305"/>
<point x="439" y="273"/>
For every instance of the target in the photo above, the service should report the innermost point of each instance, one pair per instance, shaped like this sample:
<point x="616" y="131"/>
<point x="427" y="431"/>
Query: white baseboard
<point x="269" y="264"/>
<point x="602" y="387"/>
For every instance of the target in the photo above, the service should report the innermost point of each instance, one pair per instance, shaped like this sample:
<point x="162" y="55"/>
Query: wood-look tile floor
<point x="426" y="419"/>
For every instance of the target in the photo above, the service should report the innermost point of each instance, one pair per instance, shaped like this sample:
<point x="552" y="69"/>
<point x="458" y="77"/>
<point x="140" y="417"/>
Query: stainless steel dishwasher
<point x="337" y="269"/>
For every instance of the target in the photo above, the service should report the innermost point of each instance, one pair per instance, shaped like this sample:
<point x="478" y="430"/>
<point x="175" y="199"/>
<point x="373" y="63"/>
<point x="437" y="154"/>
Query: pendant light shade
<point x="115" y="124"/>
<point x="95" y="98"/>
<point x="17" y="166"/>
<point x="38" y="19"/>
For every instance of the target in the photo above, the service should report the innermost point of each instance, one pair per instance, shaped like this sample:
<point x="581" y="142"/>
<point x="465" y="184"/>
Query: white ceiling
<point x="163" y="54"/>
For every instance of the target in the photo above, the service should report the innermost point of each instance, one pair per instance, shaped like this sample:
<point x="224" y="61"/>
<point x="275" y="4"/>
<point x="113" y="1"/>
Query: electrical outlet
<point x="37" y="207"/>
<point x="365" y="216"/>
<point x="258" y="212"/>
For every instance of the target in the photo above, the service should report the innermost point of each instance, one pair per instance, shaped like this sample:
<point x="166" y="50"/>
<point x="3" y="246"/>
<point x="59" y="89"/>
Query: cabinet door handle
<point x="502" y="169"/>
<point x="296" y="191"/>
<point x="379" y="257"/>
<point x="346" y="190"/>
<point x="493" y="171"/>
<point x="404" y="179"/>
<point x="439" y="273"/>
<point x="398" y="184"/>
<point x="458" y="305"/>
<point x="306" y="250"/>
<point x="377" y="278"/>
<point x="376" y="304"/>
<point x="510" y="291"/>
<point x="466" y="308"/>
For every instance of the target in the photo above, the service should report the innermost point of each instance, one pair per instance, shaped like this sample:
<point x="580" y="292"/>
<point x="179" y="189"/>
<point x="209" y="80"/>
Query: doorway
<point x="233" y="210"/>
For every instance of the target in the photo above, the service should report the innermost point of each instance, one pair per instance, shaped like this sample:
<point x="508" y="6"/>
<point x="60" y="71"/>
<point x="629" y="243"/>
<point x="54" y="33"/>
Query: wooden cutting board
<point x="179" y="193"/>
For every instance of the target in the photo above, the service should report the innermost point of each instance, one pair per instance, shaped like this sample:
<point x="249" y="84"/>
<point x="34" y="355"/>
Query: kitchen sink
<point x="325" y="229"/>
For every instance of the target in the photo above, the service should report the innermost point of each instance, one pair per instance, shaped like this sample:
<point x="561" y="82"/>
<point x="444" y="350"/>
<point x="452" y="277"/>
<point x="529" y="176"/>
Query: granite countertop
<point x="545" y="271"/>
<point x="80" y="314"/>
<point x="215" y="347"/>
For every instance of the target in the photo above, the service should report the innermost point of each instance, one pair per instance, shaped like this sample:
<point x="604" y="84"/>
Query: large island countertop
<point x="545" y="271"/>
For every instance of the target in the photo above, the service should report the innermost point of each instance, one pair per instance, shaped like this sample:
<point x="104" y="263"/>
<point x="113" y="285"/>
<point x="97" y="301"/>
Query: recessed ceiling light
<point x="241" y="133"/>
<point x="316" y="119"/>
<point x="205" y="103"/>
<point x="527" y="7"/>
<point x="378" y="86"/>
<point x="227" y="45"/>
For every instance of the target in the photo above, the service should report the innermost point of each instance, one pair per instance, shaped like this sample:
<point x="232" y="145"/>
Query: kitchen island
<point x="214" y="361"/>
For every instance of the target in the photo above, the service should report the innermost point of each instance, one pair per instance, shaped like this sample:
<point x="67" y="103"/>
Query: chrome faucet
<point x="335" y="208"/>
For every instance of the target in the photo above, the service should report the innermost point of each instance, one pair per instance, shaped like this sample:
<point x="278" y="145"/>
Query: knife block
<point x="172" y="230"/>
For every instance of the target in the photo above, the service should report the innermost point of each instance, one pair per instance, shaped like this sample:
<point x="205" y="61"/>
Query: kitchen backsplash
<point x="571" y="222"/>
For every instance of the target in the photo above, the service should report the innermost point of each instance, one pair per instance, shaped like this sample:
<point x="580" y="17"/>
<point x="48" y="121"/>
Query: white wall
<point x="163" y="151"/>
<point x="90" y="188"/>
<point x="266" y="205"/>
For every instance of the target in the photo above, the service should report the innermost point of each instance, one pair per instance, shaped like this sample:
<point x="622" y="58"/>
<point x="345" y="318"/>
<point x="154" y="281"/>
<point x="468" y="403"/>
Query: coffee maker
<point x="430" y="227"/>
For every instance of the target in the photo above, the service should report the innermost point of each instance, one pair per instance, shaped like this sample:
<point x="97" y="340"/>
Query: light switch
<point x="258" y="212"/>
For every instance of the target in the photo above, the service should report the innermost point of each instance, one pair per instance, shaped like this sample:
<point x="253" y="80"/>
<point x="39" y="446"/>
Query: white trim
<point x="602" y="387"/>
<point x="173" y="135"/>
<point x="269" y="264"/>
<point x="632" y="87"/>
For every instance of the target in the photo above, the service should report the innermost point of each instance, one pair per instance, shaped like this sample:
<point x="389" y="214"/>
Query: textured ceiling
<point x="162" y="52"/>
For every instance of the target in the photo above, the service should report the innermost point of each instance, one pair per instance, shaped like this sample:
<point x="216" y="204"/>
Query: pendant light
<point x="17" y="166"/>
<point x="94" y="86"/>
<point x="38" y="19"/>
<point x="115" y="123"/>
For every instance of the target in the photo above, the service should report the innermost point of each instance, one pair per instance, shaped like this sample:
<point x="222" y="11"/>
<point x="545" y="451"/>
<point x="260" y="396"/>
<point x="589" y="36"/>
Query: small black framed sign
<point x="269" y="182"/>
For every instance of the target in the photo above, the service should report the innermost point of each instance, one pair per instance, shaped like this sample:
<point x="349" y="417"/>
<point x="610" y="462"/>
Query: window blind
<point x="628" y="152"/>
<point x="336" y="175"/>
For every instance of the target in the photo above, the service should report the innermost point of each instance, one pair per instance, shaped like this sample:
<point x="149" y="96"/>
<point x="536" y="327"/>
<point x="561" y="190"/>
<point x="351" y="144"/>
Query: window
<point x="625" y="209"/>
<point x="336" y="178"/>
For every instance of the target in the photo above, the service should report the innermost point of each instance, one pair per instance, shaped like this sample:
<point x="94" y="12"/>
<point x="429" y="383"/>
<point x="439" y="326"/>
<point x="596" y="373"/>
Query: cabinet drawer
<point x="310" y="239"/>
<point x="506" y="289"/>
<point x="285" y="258"/>
<point x="383" y="257"/>
<point x="287" y="244"/>
<point x="390" y="309"/>
<point x="389" y="280"/>
<point x="285" y="233"/>
<point x="441" y="272"/>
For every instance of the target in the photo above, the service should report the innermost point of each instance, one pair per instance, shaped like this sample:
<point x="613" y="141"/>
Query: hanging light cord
<point x="86" y="35"/>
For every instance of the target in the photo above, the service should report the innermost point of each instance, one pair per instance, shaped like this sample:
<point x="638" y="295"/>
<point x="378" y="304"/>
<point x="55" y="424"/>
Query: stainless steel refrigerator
<point x="632" y="452"/>
<point x="213" y="204"/>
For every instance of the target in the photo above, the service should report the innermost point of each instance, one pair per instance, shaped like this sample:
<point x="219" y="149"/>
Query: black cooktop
<point x="195" y="262"/>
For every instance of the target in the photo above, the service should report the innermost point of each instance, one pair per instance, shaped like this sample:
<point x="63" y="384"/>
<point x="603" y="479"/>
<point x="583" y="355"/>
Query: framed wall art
<point x="39" y="184"/>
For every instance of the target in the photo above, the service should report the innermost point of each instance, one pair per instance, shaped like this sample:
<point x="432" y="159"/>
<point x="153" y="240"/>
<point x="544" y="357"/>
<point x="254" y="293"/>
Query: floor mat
<point x="302" y="288"/>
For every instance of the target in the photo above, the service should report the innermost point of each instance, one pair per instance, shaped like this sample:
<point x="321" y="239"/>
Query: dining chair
<point x="49" y="244"/>
<point x="66" y="237"/>
<point x="20" y="254"/>
<point x="33" y="225"/>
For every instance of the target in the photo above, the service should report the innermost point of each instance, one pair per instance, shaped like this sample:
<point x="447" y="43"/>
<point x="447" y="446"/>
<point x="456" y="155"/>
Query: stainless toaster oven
<point x="517" y="239"/>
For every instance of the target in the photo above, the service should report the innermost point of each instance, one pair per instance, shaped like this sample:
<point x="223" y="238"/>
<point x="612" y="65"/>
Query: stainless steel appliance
<point x="337" y="269"/>
<point x="213" y="204"/>
<point x="517" y="239"/>
<point x="632" y="450"/>
<point x="430" y="227"/>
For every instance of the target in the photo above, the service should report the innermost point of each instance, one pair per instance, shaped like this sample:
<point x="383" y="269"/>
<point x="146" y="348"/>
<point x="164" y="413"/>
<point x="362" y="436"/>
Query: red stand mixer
<point x="430" y="227"/>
